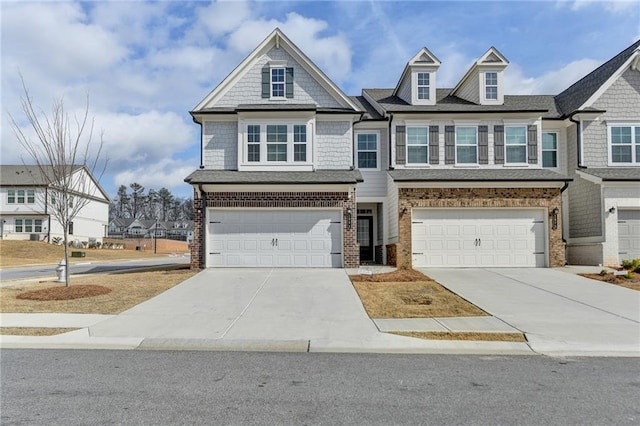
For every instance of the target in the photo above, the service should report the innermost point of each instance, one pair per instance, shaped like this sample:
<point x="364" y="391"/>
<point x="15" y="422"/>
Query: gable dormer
<point x="483" y="83"/>
<point x="417" y="85"/>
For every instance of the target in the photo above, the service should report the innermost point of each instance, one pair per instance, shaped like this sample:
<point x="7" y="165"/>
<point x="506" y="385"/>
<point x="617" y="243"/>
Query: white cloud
<point x="612" y="6"/>
<point x="222" y="17"/>
<point x="551" y="82"/>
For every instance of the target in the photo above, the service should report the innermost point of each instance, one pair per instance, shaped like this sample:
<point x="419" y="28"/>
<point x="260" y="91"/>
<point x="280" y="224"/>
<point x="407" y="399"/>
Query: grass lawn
<point x="127" y="290"/>
<point x="20" y="253"/>
<point x="14" y="331"/>
<point x="448" y="335"/>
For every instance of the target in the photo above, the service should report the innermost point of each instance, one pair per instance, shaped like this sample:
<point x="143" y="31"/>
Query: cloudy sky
<point x="146" y="64"/>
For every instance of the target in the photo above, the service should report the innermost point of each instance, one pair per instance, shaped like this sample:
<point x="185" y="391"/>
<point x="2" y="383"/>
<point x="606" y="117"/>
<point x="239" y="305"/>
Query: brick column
<point x="350" y="246"/>
<point x="198" y="234"/>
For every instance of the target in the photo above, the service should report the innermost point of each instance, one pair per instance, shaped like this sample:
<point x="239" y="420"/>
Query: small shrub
<point x="603" y="273"/>
<point x="631" y="265"/>
<point x="629" y="275"/>
<point x="56" y="240"/>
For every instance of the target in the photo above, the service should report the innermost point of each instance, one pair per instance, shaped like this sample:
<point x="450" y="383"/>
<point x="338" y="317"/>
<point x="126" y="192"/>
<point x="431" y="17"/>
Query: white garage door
<point x="629" y="234"/>
<point x="275" y="238"/>
<point x="478" y="237"/>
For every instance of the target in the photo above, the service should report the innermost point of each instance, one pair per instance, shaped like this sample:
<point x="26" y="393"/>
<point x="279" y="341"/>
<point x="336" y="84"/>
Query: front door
<point x="365" y="238"/>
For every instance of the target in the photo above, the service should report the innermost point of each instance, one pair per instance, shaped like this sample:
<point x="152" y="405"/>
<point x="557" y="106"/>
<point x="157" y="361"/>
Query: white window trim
<point x="457" y="126"/>
<point x="263" y="164"/>
<point x="432" y="86"/>
<point x="526" y="146"/>
<point x="278" y="65"/>
<point x="414" y="125"/>
<point x="635" y="144"/>
<point x="542" y="150"/>
<point x="368" y="132"/>
<point x="418" y="85"/>
<point x="483" y="88"/>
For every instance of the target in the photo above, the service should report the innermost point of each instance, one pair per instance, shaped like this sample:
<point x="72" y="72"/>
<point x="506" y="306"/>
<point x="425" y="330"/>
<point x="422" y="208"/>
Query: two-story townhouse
<point x="603" y="202"/>
<point x="466" y="182"/>
<point x="277" y="182"/>
<point x="25" y="206"/>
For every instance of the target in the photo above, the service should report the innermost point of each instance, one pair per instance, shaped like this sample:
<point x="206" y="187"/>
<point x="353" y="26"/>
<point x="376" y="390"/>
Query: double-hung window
<point x="515" y="144"/>
<point x="19" y="225"/>
<point x="367" y="150"/>
<point x="423" y="85"/>
<point x="11" y="196"/>
<point x="417" y="145"/>
<point x="466" y="145"/>
<point x="20" y="196"/>
<point x="31" y="196"/>
<point x="491" y="85"/>
<point x="277" y="142"/>
<point x="625" y="144"/>
<point x="299" y="142"/>
<point x="549" y="150"/>
<point x="277" y="82"/>
<point x="253" y="143"/>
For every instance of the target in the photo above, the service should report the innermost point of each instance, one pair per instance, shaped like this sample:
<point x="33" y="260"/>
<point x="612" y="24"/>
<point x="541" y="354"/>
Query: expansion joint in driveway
<point x="248" y="304"/>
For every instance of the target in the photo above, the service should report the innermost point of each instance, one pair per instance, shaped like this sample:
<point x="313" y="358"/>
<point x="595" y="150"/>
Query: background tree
<point x="63" y="150"/>
<point x="165" y="199"/>
<point x="122" y="200"/>
<point x="137" y="200"/>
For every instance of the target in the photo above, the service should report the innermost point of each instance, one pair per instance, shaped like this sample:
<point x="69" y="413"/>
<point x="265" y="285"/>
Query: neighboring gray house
<point x="603" y="202"/>
<point x="296" y="173"/>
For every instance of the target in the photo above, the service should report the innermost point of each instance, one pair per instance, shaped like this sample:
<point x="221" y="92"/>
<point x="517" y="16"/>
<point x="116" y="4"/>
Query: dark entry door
<point x="365" y="238"/>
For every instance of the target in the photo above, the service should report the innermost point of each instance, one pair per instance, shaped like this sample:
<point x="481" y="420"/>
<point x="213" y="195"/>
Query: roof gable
<point x="276" y="40"/>
<point x="492" y="57"/>
<point x="583" y="93"/>
<point x="424" y="58"/>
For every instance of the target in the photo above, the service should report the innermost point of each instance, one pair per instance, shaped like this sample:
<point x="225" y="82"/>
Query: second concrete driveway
<point x="560" y="313"/>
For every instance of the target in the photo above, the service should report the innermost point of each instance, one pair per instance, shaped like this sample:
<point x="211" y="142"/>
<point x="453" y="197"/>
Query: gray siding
<point x="585" y="209"/>
<point x="392" y="210"/>
<point x="471" y="89"/>
<point x="375" y="181"/>
<point x="333" y="145"/>
<point x="306" y="90"/>
<point x="405" y="89"/>
<point x="220" y="140"/>
<point x="621" y="102"/>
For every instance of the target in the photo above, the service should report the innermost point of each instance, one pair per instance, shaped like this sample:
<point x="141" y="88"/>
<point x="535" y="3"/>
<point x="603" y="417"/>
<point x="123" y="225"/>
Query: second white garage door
<point x="478" y="237"/>
<point x="275" y="238"/>
<point x="629" y="234"/>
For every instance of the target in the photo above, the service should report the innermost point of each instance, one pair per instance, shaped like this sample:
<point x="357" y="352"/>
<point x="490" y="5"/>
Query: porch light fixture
<point x="348" y="217"/>
<point x="612" y="210"/>
<point x="404" y="210"/>
<point x="554" y="218"/>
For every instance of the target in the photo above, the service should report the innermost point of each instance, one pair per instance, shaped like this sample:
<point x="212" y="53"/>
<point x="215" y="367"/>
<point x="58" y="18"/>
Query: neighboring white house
<point x="25" y="207"/>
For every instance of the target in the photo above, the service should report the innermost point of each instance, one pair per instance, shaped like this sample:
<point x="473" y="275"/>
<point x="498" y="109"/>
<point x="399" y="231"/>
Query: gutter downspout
<point x="353" y="141"/>
<point x="203" y="240"/>
<point x="201" y="141"/>
<point x="564" y="240"/>
<point x="578" y="140"/>
<point x="389" y="139"/>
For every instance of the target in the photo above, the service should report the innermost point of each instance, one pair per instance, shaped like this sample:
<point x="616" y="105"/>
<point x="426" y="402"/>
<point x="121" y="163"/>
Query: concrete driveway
<point x="250" y="304"/>
<point x="560" y="313"/>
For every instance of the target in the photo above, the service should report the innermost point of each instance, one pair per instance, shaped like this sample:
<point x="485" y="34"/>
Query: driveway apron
<point x="559" y="312"/>
<point x="249" y="304"/>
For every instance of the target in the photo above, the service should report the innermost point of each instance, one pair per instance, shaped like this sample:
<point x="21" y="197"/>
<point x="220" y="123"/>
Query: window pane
<point x="11" y="196"/>
<point x="516" y="154"/>
<point x="549" y="141"/>
<point x="21" y="196"/>
<point x="253" y="152"/>
<point x="277" y="133"/>
<point x="491" y="78"/>
<point x="277" y="152"/>
<point x="367" y="160"/>
<point x="417" y="136"/>
<point x="299" y="133"/>
<point x="549" y="159"/>
<point x="466" y="136"/>
<point x="492" y="93"/>
<point x="300" y="152"/>
<point x="417" y="154"/>
<point x="277" y="82"/>
<point x="253" y="134"/>
<point x="621" y="135"/>
<point x="423" y="92"/>
<point x="28" y="225"/>
<point x="515" y="135"/>
<point x="37" y="225"/>
<point x="621" y="153"/>
<point x="466" y="155"/>
<point x="18" y="225"/>
<point x="423" y="78"/>
<point x="30" y="196"/>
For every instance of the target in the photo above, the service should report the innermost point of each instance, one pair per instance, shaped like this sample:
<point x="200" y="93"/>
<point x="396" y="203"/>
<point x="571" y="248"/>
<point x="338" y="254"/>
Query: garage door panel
<point x="275" y="238"/>
<point x="479" y="237"/>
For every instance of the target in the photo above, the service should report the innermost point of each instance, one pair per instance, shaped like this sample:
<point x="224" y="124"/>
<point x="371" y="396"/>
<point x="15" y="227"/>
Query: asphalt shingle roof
<point x="23" y="175"/>
<point x="445" y="102"/>
<point x="487" y="175"/>
<point x="263" y="178"/>
<point x="621" y="174"/>
<point x="578" y="93"/>
<point x="370" y="112"/>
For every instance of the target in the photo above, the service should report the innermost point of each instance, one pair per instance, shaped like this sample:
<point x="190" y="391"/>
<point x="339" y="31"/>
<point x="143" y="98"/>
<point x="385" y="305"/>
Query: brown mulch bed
<point x="444" y="335"/>
<point x="65" y="293"/>
<point x="633" y="283"/>
<point x="399" y="275"/>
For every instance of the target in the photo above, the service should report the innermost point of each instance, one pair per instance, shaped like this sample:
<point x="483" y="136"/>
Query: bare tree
<point x="65" y="154"/>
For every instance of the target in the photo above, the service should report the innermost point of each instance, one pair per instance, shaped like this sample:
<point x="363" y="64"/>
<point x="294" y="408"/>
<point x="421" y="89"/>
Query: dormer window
<point x="277" y="82"/>
<point x="491" y="86"/>
<point x="423" y="85"/>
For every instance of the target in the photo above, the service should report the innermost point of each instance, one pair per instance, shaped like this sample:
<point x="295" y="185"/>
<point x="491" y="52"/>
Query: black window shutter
<point x="532" y="144"/>
<point x="266" y="81"/>
<point x="401" y="140"/>
<point x="433" y="145"/>
<point x="289" y="83"/>
<point x="449" y="144"/>
<point x="498" y="144"/>
<point x="483" y="144"/>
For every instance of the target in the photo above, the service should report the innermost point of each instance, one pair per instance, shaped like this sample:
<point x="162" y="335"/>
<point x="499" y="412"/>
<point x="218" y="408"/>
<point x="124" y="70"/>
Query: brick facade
<point x="549" y="198"/>
<point x="269" y="200"/>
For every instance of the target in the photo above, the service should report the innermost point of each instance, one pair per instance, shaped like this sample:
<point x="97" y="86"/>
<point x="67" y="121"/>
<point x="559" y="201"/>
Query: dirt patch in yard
<point x="443" y="335"/>
<point x="631" y="281"/>
<point x="409" y="294"/>
<point x="14" y="331"/>
<point x="126" y="291"/>
<point x="65" y="293"/>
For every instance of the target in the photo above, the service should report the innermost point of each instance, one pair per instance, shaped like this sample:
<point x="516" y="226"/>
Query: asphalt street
<point x="93" y="267"/>
<point x="57" y="387"/>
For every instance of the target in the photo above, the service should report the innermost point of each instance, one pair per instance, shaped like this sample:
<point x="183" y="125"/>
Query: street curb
<point x="224" y="345"/>
<point x="430" y="347"/>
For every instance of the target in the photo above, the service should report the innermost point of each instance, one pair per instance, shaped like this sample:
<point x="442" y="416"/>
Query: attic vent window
<point x="423" y="85"/>
<point x="491" y="85"/>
